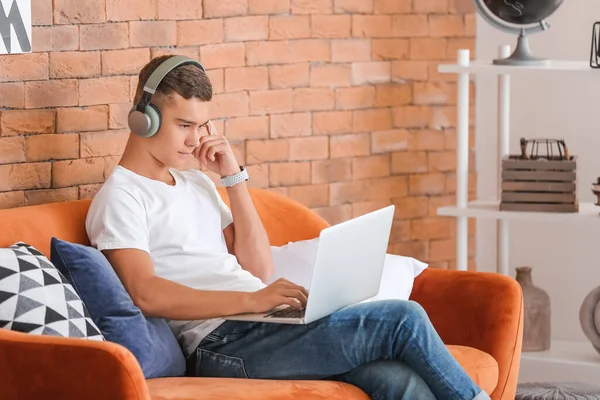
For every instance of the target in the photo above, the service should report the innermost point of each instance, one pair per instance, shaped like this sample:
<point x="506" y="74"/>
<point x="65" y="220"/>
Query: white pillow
<point x="294" y="262"/>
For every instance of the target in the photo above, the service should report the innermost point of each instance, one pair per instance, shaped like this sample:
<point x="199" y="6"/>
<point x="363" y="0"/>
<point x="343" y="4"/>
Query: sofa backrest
<point x="284" y="219"/>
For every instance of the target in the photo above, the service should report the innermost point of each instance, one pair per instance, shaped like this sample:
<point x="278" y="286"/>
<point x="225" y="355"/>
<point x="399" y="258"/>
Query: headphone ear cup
<point x="155" y="119"/>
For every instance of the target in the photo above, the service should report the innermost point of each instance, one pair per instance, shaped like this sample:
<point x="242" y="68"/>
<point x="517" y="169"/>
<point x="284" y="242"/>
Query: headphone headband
<point x="163" y="69"/>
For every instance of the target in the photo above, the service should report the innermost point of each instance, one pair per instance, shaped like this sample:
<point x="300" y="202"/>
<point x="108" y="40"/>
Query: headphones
<point x="144" y="118"/>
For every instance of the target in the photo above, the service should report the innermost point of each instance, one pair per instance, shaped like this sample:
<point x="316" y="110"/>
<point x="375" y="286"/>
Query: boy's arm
<point x="246" y="237"/>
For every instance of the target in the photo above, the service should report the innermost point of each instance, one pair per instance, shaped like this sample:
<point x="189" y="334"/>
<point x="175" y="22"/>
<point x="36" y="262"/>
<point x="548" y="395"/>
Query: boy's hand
<point x="277" y="293"/>
<point x="215" y="153"/>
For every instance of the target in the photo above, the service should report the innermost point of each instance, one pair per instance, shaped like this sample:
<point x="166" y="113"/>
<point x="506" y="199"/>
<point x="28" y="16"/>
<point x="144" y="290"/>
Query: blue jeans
<point x="389" y="349"/>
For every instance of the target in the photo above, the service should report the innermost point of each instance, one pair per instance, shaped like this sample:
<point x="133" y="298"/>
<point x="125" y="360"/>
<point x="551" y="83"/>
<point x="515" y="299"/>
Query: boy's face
<point x="183" y="123"/>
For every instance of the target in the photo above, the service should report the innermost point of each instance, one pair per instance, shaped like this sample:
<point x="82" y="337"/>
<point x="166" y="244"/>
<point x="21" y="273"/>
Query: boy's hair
<point x="187" y="80"/>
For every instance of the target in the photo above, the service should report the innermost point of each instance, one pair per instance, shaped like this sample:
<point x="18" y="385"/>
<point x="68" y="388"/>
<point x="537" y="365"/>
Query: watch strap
<point x="233" y="180"/>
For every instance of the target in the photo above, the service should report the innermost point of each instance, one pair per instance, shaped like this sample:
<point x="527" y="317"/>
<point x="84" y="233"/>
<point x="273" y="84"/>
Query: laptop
<point x="347" y="269"/>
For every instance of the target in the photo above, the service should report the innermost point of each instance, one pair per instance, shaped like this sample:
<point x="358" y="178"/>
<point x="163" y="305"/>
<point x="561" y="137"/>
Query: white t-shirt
<point x="180" y="226"/>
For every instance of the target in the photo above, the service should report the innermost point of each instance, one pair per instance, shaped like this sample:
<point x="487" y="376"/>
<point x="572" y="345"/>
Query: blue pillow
<point x="120" y="321"/>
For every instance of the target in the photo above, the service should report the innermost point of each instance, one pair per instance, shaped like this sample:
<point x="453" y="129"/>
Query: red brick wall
<point x="335" y="103"/>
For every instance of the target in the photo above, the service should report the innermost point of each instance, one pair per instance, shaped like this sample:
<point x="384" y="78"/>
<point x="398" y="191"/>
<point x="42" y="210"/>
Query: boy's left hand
<point x="215" y="153"/>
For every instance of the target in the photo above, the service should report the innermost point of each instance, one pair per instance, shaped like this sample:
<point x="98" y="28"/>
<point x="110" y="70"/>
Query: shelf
<point x="490" y="68"/>
<point x="490" y="210"/>
<point x="566" y="352"/>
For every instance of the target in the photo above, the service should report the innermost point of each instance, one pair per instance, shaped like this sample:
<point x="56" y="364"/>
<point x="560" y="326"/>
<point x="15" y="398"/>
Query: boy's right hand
<point x="277" y="293"/>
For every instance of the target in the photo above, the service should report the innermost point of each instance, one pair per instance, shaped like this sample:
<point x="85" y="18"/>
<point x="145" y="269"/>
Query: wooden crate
<point x="545" y="184"/>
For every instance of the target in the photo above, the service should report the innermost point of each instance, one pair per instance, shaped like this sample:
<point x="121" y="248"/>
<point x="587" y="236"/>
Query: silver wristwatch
<point x="233" y="180"/>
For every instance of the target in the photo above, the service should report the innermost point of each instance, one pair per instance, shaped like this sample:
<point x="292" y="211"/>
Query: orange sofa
<point x="478" y="315"/>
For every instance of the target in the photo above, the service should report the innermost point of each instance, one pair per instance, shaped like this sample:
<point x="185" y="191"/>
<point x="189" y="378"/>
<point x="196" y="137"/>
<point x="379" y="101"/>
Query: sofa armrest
<point x="48" y="367"/>
<point x="480" y="310"/>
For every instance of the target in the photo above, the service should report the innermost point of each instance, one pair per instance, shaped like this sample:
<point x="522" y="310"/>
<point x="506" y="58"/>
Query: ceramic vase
<point x="536" y="328"/>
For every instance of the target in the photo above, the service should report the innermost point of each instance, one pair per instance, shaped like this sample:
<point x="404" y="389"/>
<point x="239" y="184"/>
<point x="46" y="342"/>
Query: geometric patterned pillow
<point x="36" y="298"/>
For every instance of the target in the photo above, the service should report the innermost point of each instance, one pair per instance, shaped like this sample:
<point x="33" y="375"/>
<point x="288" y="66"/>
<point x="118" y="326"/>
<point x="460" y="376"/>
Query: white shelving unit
<point x="464" y="209"/>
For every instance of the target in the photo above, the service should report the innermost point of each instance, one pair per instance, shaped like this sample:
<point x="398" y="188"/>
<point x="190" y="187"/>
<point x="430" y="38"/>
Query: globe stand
<point x="522" y="54"/>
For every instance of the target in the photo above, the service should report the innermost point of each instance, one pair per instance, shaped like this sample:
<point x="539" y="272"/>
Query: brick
<point x="288" y="52"/>
<point x="330" y="75"/>
<point x="246" y="78"/>
<point x="336" y="170"/>
<point x="332" y="122"/>
<point x="415" y="249"/>
<point x="271" y="101"/>
<point x="309" y="148"/>
<point x="388" y="187"/>
<point x="354" y="145"/>
<point x="78" y="172"/>
<point x="266" y="7"/>
<point x="442" y="161"/>
<point x="118" y="115"/>
<point x="392" y="6"/>
<point x="152" y="33"/>
<point x="89" y="191"/>
<point x="41" y="39"/>
<point x="411" y="116"/>
<point x="411" y="207"/>
<point x="461" y="7"/>
<point x="289" y="27"/>
<point x="389" y="141"/>
<point x="259" y="176"/>
<point x="410" y="25"/>
<point x="23" y="67"/>
<point x="286" y="174"/>
<point x="350" y="50"/>
<point x="446" y="26"/>
<point x="365" y="207"/>
<point x="431" y="228"/>
<point x="442" y="250"/>
<point x="401" y="232"/>
<point x="12" y="199"/>
<point x="409" y="70"/>
<point x="410" y="162"/>
<point x="52" y="147"/>
<point x="348" y="192"/>
<point x="371" y="167"/>
<point x="247" y="128"/>
<point x="124" y="62"/>
<point x="131" y="10"/>
<point x="335" y="215"/>
<point x="24" y="176"/>
<point x="427" y="49"/>
<point x="470" y="24"/>
<point x="104" y="36"/>
<point x="372" y="120"/>
<point x="238" y="29"/>
<point x="354" y="97"/>
<point x="104" y="90"/>
<point x="393" y="95"/>
<point x="75" y="64"/>
<point x="206" y="31"/>
<point x="12" y="94"/>
<point x="312" y="6"/>
<point x="389" y="49"/>
<point x="260" y="151"/>
<point x="24" y="122"/>
<point x="179" y="9"/>
<point x="223" y="55"/>
<point x="54" y="93"/>
<point x="331" y="26"/>
<point x="427" y="140"/>
<point x="41" y="12"/>
<point x="217" y="80"/>
<point x="79" y="12"/>
<point x="12" y="150"/>
<point x="227" y="105"/>
<point x="371" y="72"/>
<point x="314" y="99"/>
<point x="310" y="195"/>
<point x="434" y="183"/>
<point x="375" y="26"/>
<point x="288" y="76"/>
<point x="65" y="37"/>
<point x="290" y="125"/>
<point x="451" y="184"/>
<point x="45" y="196"/>
<point x="104" y="143"/>
<point x="431" y="6"/>
<point x="353" y="6"/>
<point x="220" y="8"/>
<point x="81" y="119"/>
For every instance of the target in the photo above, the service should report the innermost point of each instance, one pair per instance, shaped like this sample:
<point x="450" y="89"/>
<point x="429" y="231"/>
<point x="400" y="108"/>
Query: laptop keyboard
<point x="287" y="313"/>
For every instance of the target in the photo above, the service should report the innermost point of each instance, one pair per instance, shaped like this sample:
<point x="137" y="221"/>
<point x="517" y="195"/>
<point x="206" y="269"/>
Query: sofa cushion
<point x="36" y="298"/>
<point x="480" y="366"/>
<point x="120" y="321"/>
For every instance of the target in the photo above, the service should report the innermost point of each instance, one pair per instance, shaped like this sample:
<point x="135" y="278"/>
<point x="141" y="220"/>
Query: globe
<point x="520" y="17"/>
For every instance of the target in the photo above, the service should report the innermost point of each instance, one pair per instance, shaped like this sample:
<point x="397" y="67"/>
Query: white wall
<point x="565" y="257"/>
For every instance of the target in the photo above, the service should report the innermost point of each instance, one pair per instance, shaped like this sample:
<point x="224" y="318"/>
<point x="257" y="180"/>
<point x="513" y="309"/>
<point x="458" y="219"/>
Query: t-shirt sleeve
<point x="116" y="220"/>
<point x="209" y="185"/>
<point x="226" y="216"/>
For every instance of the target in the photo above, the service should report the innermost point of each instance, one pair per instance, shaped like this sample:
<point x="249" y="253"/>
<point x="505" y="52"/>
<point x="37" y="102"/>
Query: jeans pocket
<point x="217" y="365"/>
